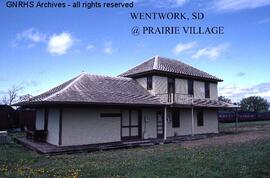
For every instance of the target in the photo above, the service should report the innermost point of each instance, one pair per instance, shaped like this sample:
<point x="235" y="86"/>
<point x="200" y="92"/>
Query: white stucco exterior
<point x="82" y="126"/>
<point x="185" y="124"/>
<point x="199" y="90"/>
<point x="210" y="122"/>
<point x="142" y="81"/>
<point x="53" y="126"/>
<point x="213" y="91"/>
<point x="149" y="123"/>
<point x="181" y="86"/>
<point x="160" y="86"/>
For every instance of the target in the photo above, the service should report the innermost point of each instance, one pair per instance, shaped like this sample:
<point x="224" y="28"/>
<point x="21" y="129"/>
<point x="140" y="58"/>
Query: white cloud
<point x="89" y="47"/>
<point x="212" y="52"/>
<point x="33" y="35"/>
<point x="236" y="93"/>
<point x="234" y="5"/>
<point x="59" y="44"/>
<point x="240" y="74"/>
<point x="28" y="39"/>
<point x="181" y="47"/>
<point x="108" y="49"/>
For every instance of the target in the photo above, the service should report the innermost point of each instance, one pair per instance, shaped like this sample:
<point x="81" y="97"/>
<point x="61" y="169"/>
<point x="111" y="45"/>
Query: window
<point x="190" y="87"/>
<point x="200" y="118"/>
<point x="171" y="85"/>
<point x="149" y="82"/>
<point x="110" y="115"/>
<point x="131" y="124"/>
<point x="175" y="118"/>
<point x="207" y="89"/>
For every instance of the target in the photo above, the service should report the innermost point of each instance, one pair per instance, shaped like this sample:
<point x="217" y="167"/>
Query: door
<point x="131" y="125"/>
<point x="160" y="125"/>
<point x="171" y="89"/>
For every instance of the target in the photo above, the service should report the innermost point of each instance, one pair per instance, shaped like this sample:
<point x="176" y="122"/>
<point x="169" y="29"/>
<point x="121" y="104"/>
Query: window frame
<point x="190" y="87"/>
<point x="200" y="118"/>
<point x="149" y="82"/>
<point x="175" y="118"/>
<point x="207" y="89"/>
<point x="171" y="80"/>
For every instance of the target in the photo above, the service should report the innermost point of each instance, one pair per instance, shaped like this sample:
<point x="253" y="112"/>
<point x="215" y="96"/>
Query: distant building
<point x="7" y="117"/>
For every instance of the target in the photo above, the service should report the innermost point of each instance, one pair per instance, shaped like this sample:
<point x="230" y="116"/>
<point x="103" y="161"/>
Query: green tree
<point x="254" y="104"/>
<point x="223" y="98"/>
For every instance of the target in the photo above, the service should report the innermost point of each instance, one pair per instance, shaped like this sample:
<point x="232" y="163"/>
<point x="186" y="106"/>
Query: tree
<point x="12" y="95"/>
<point x="224" y="99"/>
<point x="26" y="97"/>
<point x="254" y="104"/>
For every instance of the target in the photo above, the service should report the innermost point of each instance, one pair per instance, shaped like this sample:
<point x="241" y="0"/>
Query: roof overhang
<point x="38" y="104"/>
<point x="200" y="106"/>
<point x="164" y="73"/>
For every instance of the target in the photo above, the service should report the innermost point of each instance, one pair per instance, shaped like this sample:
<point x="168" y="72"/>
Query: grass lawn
<point x="243" y="160"/>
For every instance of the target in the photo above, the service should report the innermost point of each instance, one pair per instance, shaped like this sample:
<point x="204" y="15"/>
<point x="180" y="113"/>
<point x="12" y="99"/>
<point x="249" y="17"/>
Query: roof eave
<point x="141" y="74"/>
<point x="42" y="103"/>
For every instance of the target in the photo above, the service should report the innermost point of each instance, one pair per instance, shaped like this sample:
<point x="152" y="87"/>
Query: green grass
<point x="245" y="124"/>
<point x="245" y="160"/>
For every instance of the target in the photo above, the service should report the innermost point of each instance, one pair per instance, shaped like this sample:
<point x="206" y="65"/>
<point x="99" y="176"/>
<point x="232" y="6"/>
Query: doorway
<point x="160" y="125"/>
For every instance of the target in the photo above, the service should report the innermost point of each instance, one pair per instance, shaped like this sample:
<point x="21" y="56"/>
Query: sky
<point x="41" y="48"/>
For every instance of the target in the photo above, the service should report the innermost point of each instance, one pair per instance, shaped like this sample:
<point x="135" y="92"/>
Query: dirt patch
<point x="245" y="134"/>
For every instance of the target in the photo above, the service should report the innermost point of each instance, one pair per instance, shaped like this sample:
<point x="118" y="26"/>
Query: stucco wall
<point x="199" y="90"/>
<point x="53" y="126"/>
<point x="142" y="81"/>
<point x="181" y="86"/>
<point x="185" y="124"/>
<point x="40" y="119"/>
<point x="149" y="123"/>
<point x="160" y="85"/>
<point x="210" y="122"/>
<point x="213" y="91"/>
<point x="85" y="126"/>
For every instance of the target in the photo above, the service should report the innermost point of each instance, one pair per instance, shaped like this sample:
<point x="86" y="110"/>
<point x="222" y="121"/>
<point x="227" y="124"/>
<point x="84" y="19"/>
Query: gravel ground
<point x="245" y="134"/>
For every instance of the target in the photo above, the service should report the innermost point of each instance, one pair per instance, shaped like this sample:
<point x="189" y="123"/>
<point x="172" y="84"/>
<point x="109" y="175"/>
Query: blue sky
<point x="41" y="48"/>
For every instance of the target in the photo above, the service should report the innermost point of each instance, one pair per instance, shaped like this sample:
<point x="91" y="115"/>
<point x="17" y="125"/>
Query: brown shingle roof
<point x="161" y="64"/>
<point x="87" y="88"/>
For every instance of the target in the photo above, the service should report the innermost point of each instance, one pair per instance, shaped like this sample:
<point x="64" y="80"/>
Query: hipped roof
<point x="167" y="66"/>
<point x="87" y="88"/>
